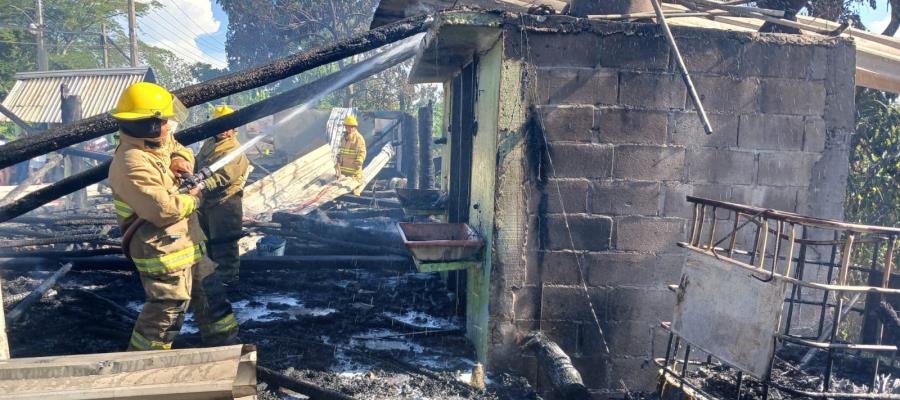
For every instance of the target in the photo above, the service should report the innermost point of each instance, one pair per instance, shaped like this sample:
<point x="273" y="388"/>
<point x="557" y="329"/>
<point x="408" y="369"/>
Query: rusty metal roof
<point x="35" y="97"/>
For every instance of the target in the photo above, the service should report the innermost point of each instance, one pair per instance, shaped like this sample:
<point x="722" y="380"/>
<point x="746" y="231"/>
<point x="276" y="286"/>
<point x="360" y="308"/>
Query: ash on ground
<point x="851" y="374"/>
<point x="368" y="334"/>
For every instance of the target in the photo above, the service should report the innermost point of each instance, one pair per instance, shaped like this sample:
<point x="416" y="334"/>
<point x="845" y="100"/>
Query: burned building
<point x="572" y="145"/>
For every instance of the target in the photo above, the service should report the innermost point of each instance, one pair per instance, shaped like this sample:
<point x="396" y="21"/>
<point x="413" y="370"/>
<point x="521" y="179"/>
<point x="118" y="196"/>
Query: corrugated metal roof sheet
<point x="35" y="97"/>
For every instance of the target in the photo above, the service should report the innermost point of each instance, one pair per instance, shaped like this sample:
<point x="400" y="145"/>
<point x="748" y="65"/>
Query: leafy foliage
<point x="873" y="192"/>
<point x="261" y="31"/>
<point x="73" y="40"/>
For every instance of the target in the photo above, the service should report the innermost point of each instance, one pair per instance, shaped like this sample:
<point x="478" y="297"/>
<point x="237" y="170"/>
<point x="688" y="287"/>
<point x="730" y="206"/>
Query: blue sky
<point x="201" y="26"/>
<point x="192" y="29"/>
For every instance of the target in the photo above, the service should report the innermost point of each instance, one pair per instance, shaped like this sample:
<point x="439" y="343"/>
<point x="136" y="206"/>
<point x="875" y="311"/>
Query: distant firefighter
<point x="351" y="156"/>
<point x="162" y="234"/>
<point x="222" y="209"/>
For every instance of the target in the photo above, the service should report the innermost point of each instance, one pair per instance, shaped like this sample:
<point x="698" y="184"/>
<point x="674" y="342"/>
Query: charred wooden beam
<point x="120" y="263"/>
<point x="37" y="293"/>
<point x="558" y="366"/>
<point x="374" y="236"/>
<point x="298" y="385"/>
<point x="426" y="124"/>
<point x="200" y="132"/>
<point x="99" y="125"/>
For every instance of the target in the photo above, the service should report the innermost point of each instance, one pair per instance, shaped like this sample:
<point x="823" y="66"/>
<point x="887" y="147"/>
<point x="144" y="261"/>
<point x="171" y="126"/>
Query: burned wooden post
<point x="558" y="366"/>
<point x="426" y="170"/>
<point x="70" y="111"/>
<point x="4" y="342"/>
<point x="99" y="125"/>
<point x="37" y="293"/>
<point x="409" y="141"/>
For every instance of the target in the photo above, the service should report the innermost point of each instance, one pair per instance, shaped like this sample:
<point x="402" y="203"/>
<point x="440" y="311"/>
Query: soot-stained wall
<point x="597" y="147"/>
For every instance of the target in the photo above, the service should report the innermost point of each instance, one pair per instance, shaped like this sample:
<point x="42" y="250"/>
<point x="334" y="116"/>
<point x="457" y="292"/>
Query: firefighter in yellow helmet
<point x="167" y="247"/>
<point x="221" y="210"/>
<point x="351" y="155"/>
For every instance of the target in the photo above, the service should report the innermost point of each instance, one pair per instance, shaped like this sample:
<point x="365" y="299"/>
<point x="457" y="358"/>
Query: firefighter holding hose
<point x="221" y="211"/>
<point x="163" y="236"/>
<point x="351" y="155"/>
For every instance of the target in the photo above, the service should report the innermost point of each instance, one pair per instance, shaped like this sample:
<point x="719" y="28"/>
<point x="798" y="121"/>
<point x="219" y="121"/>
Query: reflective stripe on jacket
<point x="352" y="155"/>
<point x="227" y="181"/>
<point x="144" y="186"/>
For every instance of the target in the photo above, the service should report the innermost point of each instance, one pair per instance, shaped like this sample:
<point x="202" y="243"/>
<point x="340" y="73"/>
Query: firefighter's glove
<point x="181" y="166"/>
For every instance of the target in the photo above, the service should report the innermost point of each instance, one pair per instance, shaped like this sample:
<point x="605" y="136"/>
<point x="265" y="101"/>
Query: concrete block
<point x="778" y="198"/>
<point x="617" y="269"/>
<point x="566" y="195"/>
<point x="676" y="204"/>
<point x="771" y="132"/>
<point x="710" y="165"/>
<point x="709" y="54"/>
<point x="570" y="303"/>
<point x="792" y="96"/>
<point x="594" y="371"/>
<point x="649" y="234"/>
<point x="527" y="301"/>
<point x="632" y="126"/>
<point x="688" y="130"/>
<point x="625" y="198"/>
<point x="652" y="90"/>
<point x="779" y="60"/>
<point x="581" y="160"/>
<point x="633" y="338"/>
<point x="567" y="124"/>
<point x="786" y="168"/>
<point x="721" y="166"/>
<point x="638" y="374"/>
<point x="641" y="304"/>
<point x="588" y="232"/>
<point x="651" y="163"/>
<point x="840" y="87"/>
<point x="814" y="135"/>
<point x="579" y="86"/>
<point x="639" y="51"/>
<point x="726" y="95"/>
<point x="577" y="338"/>
<point x="561" y="268"/>
<point x="564" y="50"/>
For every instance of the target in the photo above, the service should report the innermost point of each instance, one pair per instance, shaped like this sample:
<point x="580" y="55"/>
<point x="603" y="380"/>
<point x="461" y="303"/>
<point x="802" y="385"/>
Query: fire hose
<point x="188" y="183"/>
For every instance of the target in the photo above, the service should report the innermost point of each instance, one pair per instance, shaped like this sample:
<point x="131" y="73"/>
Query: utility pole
<point x="42" y="62"/>
<point x="105" y="42"/>
<point x="132" y="36"/>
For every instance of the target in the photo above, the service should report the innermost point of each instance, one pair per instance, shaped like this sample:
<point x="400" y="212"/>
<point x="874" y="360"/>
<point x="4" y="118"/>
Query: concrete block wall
<point x="625" y="148"/>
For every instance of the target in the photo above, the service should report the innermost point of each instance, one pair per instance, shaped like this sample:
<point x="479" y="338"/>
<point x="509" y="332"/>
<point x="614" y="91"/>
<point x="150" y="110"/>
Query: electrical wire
<point x="188" y="55"/>
<point x="198" y="54"/>
<point x="209" y="39"/>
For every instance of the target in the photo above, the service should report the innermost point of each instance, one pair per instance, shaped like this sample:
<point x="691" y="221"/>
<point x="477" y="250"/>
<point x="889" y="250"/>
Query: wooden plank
<point x="284" y="185"/>
<point x="319" y="195"/>
<point x="4" y="341"/>
<point x="186" y="374"/>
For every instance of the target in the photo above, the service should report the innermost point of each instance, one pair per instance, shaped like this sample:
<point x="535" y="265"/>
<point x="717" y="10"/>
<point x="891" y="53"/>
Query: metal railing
<point x="841" y="270"/>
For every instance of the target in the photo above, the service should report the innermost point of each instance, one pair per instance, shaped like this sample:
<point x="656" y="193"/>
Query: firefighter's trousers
<point x="222" y="224"/>
<point x="167" y="299"/>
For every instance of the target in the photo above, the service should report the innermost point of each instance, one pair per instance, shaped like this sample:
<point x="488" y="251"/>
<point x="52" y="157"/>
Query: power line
<point x="200" y="36"/>
<point x="172" y="29"/>
<point x="176" y="48"/>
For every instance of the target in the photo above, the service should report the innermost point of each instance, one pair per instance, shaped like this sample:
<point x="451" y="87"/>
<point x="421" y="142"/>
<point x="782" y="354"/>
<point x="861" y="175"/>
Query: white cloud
<point x="178" y="25"/>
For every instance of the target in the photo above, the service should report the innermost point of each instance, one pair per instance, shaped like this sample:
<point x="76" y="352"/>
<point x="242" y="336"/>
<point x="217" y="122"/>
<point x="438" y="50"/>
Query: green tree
<point x="261" y="31"/>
